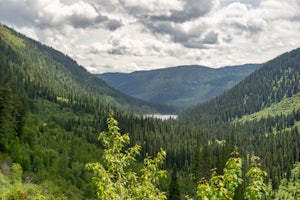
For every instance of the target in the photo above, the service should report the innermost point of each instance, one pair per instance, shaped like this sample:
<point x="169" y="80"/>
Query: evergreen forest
<point x="180" y="86"/>
<point x="52" y="111"/>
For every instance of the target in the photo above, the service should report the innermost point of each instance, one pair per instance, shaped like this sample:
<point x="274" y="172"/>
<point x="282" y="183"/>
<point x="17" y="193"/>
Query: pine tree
<point x="174" y="193"/>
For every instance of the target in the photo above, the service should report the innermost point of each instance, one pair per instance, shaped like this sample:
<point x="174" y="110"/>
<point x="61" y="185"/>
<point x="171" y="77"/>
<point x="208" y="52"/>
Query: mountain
<point x="274" y="81"/>
<point x="51" y="113"/>
<point x="40" y="66"/>
<point x="51" y="117"/>
<point x="180" y="86"/>
<point x="262" y="112"/>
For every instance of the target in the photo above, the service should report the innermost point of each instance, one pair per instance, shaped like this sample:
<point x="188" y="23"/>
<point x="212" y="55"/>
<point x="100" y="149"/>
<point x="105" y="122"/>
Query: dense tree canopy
<point x="51" y="111"/>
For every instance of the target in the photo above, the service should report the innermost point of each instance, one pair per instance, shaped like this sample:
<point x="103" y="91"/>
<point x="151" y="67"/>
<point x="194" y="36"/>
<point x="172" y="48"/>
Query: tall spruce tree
<point x="174" y="193"/>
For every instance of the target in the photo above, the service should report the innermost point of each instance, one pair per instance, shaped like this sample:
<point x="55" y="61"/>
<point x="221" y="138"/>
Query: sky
<point x="130" y="35"/>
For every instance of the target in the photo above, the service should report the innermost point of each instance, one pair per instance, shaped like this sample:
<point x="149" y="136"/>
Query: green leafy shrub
<point x="113" y="176"/>
<point x="223" y="187"/>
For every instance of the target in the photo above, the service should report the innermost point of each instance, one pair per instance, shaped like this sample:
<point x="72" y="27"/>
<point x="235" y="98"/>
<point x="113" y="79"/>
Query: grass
<point x="11" y="37"/>
<point x="284" y="107"/>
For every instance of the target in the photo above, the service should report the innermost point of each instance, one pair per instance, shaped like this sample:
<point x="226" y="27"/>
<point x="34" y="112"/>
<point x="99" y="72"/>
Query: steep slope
<point x="287" y="106"/>
<point x="181" y="86"/>
<point x="51" y="111"/>
<point x="39" y="66"/>
<point x="263" y="113"/>
<point x="52" y="131"/>
<point x="274" y="81"/>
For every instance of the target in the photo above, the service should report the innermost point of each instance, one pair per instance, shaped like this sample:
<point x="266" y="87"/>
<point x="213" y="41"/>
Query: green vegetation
<point x="115" y="179"/>
<point x="178" y="86"/>
<point x="270" y="84"/>
<point x="173" y="190"/>
<point x="12" y="186"/>
<point x="51" y="111"/>
<point x="284" y="107"/>
<point x="224" y="186"/>
<point x="271" y="93"/>
<point x="47" y="71"/>
<point x="256" y="187"/>
<point x="8" y="35"/>
<point x="290" y="189"/>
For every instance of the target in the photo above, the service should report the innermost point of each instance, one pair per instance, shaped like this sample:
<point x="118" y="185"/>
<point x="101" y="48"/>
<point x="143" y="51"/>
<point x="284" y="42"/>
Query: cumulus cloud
<point x="192" y="9"/>
<point x="211" y="38"/>
<point x="113" y="24"/>
<point x="144" y="8"/>
<point x="127" y="35"/>
<point x="138" y="44"/>
<point x="253" y="3"/>
<point x="56" y="14"/>
<point x="79" y="14"/>
<point x="92" y="68"/>
<point x="237" y="19"/>
<point x="185" y="25"/>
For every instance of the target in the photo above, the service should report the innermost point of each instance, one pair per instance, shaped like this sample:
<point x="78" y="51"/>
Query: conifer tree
<point x="174" y="193"/>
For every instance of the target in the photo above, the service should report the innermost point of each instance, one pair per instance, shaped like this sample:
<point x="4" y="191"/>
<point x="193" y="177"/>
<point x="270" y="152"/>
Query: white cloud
<point x="30" y="32"/>
<point x="54" y="13"/>
<point x="253" y="3"/>
<point x="151" y="7"/>
<point x="127" y="35"/>
<point x="79" y="14"/>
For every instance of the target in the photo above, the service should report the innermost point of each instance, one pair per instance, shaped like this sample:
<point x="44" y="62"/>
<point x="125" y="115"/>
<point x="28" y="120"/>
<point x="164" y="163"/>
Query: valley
<point x="52" y="111"/>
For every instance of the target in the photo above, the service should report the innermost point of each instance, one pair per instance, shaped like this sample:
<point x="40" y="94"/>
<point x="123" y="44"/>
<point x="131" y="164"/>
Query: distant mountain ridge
<point x="179" y="86"/>
<point x="274" y="81"/>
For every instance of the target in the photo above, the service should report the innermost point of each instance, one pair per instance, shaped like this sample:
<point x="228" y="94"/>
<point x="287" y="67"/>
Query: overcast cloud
<point x="129" y="35"/>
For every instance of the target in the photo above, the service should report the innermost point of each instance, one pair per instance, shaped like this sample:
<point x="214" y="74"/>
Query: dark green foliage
<point x="269" y="84"/>
<point x="50" y="119"/>
<point x="289" y="188"/>
<point x="57" y="135"/>
<point x="280" y="149"/>
<point x="13" y="110"/>
<point x="274" y="138"/>
<point x="179" y="86"/>
<point x="49" y="73"/>
<point x="202" y="162"/>
<point x="173" y="191"/>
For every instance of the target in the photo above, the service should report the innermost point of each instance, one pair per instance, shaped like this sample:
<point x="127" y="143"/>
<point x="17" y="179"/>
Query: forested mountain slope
<point x="51" y="111"/>
<point x="263" y="113"/>
<point x="48" y="133"/>
<point x="180" y="86"/>
<point x="275" y="80"/>
<point x="287" y="106"/>
<point x="50" y="118"/>
<point x="41" y="67"/>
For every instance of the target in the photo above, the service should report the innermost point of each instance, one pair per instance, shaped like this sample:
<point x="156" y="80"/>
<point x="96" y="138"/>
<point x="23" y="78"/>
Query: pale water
<point x="160" y="116"/>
